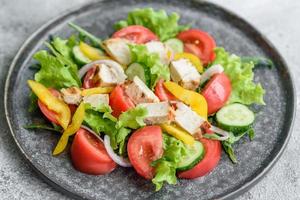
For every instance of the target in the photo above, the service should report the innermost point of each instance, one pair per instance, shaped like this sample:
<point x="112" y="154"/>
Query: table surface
<point x="274" y="18"/>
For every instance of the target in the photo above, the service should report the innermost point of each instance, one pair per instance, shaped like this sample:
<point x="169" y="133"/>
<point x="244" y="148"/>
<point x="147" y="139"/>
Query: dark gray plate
<point x="272" y="126"/>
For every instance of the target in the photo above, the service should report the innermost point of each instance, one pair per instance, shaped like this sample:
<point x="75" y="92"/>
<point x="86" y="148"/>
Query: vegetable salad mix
<point x="156" y="96"/>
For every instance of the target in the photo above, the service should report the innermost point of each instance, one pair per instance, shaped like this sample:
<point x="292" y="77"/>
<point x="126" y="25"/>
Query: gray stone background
<point x="277" y="19"/>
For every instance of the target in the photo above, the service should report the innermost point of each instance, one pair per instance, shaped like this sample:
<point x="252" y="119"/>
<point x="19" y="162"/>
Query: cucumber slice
<point x="194" y="155"/>
<point x="135" y="69"/>
<point x="236" y="118"/>
<point x="80" y="58"/>
<point x="175" y="44"/>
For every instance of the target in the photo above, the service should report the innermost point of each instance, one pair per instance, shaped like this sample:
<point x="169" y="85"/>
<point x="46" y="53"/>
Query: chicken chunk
<point x="138" y="92"/>
<point x="158" y="113"/>
<point x="187" y="119"/>
<point x="109" y="76"/>
<point x="71" y="95"/>
<point x="185" y="74"/>
<point x="96" y="99"/>
<point x="161" y="49"/>
<point x="118" y="49"/>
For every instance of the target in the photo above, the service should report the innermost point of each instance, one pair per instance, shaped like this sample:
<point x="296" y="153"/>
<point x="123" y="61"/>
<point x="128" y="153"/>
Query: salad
<point x="156" y="96"/>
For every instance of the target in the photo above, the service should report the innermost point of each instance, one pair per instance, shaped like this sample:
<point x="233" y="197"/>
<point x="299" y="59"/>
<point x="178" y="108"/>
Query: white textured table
<point x="278" y="20"/>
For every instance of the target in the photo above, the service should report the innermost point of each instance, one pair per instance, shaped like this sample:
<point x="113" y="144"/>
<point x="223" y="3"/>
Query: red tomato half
<point x="199" y="43"/>
<point x="216" y="92"/>
<point x="144" y="146"/>
<point x="136" y="33"/>
<point x="89" y="154"/>
<point x="208" y="163"/>
<point x="162" y="93"/>
<point x="49" y="114"/>
<point x="88" y="81"/>
<point x="119" y="102"/>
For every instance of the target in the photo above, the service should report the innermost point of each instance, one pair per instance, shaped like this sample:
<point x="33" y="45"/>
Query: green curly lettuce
<point x="163" y="25"/>
<point x="240" y="73"/>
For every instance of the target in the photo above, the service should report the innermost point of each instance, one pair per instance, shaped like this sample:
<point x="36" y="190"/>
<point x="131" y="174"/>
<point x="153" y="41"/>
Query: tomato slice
<point x="144" y="146"/>
<point x="199" y="43"/>
<point x="49" y="114"/>
<point x="119" y="102"/>
<point x="216" y="92"/>
<point x="162" y="93"/>
<point x="208" y="163"/>
<point x="89" y="154"/>
<point x="88" y="81"/>
<point x="136" y="33"/>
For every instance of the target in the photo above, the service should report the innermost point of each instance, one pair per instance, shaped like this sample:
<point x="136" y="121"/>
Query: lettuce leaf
<point x="163" y="25"/>
<point x="133" y="118"/>
<point x="165" y="167"/>
<point x="57" y="70"/>
<point x="244" y="90"/>
<point x="140" y="54"/>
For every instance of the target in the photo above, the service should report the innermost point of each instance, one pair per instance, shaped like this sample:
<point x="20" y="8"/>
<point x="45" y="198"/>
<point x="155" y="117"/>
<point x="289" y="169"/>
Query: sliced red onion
<point x="118" y="159"/>
<point x="91" y="131"/>
<point x="215" y="69"/>
<point x="114" y="65"/>
<point x="225" y="134"/>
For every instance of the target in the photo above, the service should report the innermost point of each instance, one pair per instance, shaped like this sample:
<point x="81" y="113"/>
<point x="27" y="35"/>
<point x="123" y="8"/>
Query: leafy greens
<point x="240" y="73"/>
<point x="163" y="25"/>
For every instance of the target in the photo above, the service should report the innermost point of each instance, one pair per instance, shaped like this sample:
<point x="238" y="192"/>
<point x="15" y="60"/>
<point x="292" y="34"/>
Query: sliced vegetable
<point x="89" y="155"/>
<point x="135" y="69"/>
<point x="236" y="118"/>
<point x="97" y="90"/>
<point x="217" y="92"/>
<point x="136" y="34"/>
<point x="178" y="133"/>
<point x="91" y="52"/>
<point x="210" y="160"/>
<point x="72" y="129"/>
<point x="191" y="98"/>
<point x="193" y="155"/>
<point x="119" y="102"/>
<point x="163" y="25"/>
<point x="175" y="45"/>
<point x="192" y="58"/>
<point x="62" y="111"/>
<point x="211" y="71"/>
<point x="119" y="160"/>
<point x="144" y="146"/>
<point x="205" y="44"/>
<point x="80" y="58"/>
<point x="162" y="93"/>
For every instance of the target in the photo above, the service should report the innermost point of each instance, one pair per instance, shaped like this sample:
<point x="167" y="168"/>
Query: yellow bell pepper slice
<point x="91" y="52"/>
<point x="195" y="100"/>
<point x="178" y="133"/>
<point x="97" y="90"/>
<point x="53" y="103"/>
<point x="72" y="129"/>
<point x="192" y="58"/>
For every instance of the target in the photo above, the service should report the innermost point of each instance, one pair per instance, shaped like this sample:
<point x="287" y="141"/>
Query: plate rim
<point x="71" y="12"/>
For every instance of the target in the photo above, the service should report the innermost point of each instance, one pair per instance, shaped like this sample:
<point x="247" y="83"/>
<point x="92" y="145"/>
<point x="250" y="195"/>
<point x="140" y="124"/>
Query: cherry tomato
<point x="89" y="81"/>
<point x="49" y="114"/>
<point x="144" y="146"/>
<point x="216" y="92"/>
<point x="208" y="163"/>
<point x="199" y="43"/>
<point x="162" y="93"/>
<point x="119" y="102"/>
<point x="136" y="33"/>
<point x="89" y="154"/>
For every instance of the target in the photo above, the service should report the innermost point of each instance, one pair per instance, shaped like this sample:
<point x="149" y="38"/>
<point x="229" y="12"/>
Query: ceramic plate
<point x="273" y="122"/>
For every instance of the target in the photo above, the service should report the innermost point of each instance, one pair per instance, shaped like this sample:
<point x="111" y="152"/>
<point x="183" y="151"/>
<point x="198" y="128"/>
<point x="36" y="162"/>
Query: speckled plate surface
<point x="273" y="122"/>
